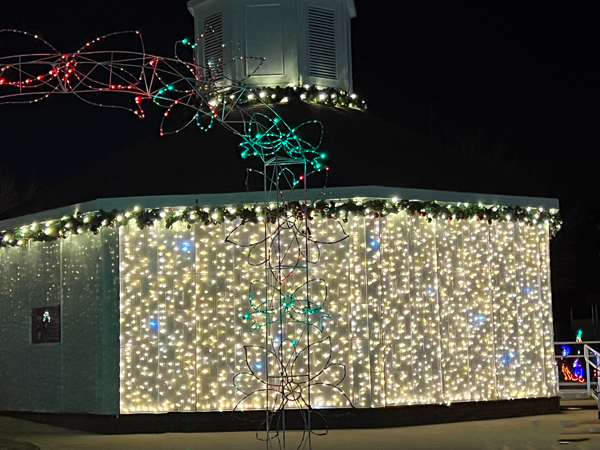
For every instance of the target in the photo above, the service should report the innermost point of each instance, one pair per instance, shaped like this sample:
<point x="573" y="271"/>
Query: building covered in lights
<point x="128" y="296"/>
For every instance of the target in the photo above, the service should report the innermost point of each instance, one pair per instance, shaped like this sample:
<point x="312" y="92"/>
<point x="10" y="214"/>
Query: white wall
<point x="279" y="31"/>
<point x="80" y="373"/>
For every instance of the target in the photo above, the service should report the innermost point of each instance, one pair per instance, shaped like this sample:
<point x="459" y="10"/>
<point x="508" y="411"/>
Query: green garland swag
<point x="94" y="221"/>
<point x="311" y="94"/>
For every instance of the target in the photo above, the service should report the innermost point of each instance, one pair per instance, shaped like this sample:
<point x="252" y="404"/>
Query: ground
<point x="576" y="427"/>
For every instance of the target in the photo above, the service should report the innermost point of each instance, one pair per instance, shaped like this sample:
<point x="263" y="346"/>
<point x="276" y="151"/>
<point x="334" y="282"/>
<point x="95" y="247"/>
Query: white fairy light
<point x="421" y="312"/>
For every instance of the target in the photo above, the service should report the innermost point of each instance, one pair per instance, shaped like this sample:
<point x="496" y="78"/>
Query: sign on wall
<point x="45" y="324"/>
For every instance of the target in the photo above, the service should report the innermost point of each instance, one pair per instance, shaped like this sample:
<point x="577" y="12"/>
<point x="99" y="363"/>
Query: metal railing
<point x="576" y="378"/>
<point x="592" y="359"/>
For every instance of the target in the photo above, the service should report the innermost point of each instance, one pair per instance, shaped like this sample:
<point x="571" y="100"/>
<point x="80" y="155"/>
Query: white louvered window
<point x="213" y="47"/>
<point x="322" y="58"/>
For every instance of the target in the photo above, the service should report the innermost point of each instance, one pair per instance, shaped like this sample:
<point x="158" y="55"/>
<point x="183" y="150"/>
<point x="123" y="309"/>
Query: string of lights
<point x="294" y="362"/>
<point x="420" y="312"/>
<point x="189" y="93"/>
<point x="142" y="217"/>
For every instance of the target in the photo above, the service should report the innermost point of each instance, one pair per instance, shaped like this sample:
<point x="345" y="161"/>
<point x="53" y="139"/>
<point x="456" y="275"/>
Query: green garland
<point x="94" y="221"/>
<point x="311" y="94"/>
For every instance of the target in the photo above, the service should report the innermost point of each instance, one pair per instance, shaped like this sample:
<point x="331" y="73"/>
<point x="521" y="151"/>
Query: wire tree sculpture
<point x="288" y="305"/>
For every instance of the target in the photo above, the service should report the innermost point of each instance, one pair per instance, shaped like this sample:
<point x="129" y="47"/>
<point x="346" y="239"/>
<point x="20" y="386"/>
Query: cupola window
<point x="322" y="60"/>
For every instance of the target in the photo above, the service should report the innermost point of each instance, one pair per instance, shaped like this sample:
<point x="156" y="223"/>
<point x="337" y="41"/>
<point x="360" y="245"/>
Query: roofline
<point x="192" y="3"/>
<point x="349" y="4"/>
<point x="351" y="8"/>
<point x="164" y="201"/>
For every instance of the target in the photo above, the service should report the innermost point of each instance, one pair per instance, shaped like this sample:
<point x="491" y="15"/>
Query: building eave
<point x="351" y="8"/>
<point x="257" y="197"/>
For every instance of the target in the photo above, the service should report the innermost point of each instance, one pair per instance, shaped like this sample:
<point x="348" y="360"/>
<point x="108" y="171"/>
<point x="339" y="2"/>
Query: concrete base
<point x="321" y="419"/>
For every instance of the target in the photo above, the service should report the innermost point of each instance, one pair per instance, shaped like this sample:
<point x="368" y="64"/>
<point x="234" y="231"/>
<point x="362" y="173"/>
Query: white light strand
<point x="422" y="312"/>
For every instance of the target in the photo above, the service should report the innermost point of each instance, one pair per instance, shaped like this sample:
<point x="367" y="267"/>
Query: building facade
<point x="414" y="308"/>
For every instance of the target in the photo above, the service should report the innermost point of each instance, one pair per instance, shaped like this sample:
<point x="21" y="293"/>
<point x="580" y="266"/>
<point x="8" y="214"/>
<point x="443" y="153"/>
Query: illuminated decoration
<point x="566" y="350"/>
<point x="371" y="208"/>
<point x="168" y="82"/>
<point x="578" y="370"/>
<point x="293" y="367"/>
<point x="401" y="315"/>
<point x="289" y="307"/>
<point x="577" y="374"/>
<point x="290" y="389"/>
<point x="579" y="336"/>
<point x="266" y="137"/>
<point x="45" y="325"/>
<point x="188" y="92"/>
<point x="307" y="93"/>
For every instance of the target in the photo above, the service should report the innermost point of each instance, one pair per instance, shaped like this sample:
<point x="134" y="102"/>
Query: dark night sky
<point x="524" y="72"/>
<point x="528" y="68"/>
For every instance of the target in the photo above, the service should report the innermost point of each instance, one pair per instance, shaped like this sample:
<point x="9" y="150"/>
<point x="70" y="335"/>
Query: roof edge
<point x="162" y="201"/>
<point x="351" y="8"/>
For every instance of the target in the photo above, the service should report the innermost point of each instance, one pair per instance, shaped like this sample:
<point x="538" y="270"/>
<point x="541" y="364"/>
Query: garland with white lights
<point x="311" y="94"/>
<point x="94" y="221"/>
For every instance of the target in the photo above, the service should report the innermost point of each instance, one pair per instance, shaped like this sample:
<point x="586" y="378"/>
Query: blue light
<point x="478" y="320"/>
<point x="507" y="357"/>
<point x="578" y="369"/>
<point x="258" y="365"/>
<point x="527" y="289"/>
<point x="153" y="324"/>
<point x="185" y="246"/>
<point x="566" y="350"/>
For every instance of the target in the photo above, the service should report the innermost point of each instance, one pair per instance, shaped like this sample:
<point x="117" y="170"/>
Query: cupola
<point x="303" y="41"/>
